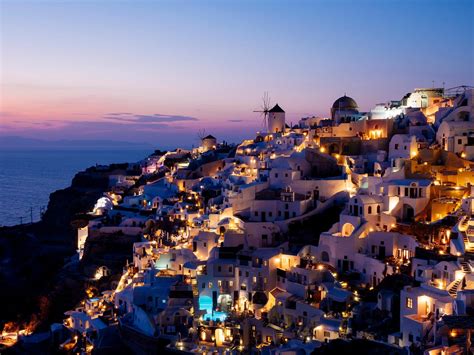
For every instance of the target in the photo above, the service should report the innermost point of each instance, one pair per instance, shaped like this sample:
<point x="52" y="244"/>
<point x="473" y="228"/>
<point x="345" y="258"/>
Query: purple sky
<point x="159" y="71"/>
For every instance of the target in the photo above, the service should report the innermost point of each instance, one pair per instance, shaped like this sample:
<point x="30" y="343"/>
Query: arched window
<point x="378" y="209"/>
<point x="325" y="256"/>
<point x="370" y="209"/>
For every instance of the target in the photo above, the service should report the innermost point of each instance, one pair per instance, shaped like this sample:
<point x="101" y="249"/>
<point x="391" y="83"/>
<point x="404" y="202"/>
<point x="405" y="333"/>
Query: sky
<point x="161" y="72"/>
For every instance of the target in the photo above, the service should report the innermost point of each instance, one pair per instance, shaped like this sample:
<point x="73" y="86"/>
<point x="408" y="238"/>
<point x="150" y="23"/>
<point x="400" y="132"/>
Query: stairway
<point x="468" y="246"/>
<point x="453" y="290"/>
<point x="466" y="267"/>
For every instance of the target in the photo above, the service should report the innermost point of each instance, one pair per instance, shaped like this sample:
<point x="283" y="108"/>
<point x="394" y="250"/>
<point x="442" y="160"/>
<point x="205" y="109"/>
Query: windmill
<point x="265" y="108"/>
<point x="201" y="134"/>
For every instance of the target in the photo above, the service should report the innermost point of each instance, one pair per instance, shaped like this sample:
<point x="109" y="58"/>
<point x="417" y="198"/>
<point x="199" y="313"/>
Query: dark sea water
<point x="27" y="177"/>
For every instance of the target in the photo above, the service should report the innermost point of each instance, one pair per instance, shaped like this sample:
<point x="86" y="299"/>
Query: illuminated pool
<point x="205" y="303"/>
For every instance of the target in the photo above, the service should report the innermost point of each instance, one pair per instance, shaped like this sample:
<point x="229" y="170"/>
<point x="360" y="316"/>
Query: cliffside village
<point x="355" y="226"/>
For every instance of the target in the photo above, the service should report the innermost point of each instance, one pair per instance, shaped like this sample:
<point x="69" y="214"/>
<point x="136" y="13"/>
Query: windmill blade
<point x="266" y="101"/>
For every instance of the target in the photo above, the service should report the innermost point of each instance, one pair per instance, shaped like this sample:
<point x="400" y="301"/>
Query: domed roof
<point x="345" y="103"/>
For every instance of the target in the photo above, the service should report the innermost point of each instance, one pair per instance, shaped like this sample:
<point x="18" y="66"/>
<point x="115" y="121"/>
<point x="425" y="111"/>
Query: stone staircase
<point x="453" y="289"/>
<point x="454" y="286"/>
<point x="466" y="267"/>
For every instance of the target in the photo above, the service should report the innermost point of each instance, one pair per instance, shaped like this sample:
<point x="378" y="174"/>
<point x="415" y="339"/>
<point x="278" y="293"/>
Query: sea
<point x="27" y="177"/>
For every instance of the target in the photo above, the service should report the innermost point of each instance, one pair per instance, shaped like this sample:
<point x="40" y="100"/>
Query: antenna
<point x="265" y="108"/>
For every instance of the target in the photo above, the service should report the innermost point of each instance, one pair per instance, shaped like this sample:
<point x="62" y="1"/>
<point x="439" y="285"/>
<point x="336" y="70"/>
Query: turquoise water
<point x="205" y="303"/>
<point x="27" y="177"/>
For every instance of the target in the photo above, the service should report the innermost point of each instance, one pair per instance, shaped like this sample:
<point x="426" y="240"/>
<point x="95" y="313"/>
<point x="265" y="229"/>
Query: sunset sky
<point x="159" y="71"/>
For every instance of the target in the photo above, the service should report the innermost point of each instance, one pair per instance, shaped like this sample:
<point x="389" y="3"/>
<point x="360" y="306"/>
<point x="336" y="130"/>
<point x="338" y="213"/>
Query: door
<point x="381" y="252"/>
<point x="345" y="265"/>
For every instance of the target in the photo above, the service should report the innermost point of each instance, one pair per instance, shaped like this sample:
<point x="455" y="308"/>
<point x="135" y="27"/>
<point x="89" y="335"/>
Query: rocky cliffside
<point x="36" y="285"/>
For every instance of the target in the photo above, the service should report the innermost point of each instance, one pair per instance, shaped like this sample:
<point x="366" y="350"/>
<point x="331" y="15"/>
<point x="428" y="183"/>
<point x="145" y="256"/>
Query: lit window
<point x="409" y="302"/>
<point x="210" y="284"/>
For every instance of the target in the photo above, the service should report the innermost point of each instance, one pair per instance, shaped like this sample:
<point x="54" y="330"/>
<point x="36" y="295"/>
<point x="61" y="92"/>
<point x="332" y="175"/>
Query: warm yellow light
<point x="322" y="149"/>
<point x="463" y="155"/>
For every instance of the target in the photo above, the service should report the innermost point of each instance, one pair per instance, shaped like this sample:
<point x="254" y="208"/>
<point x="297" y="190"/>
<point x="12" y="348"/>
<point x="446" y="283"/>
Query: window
<point x="370" y="209"/>
<point x="230" y="268"/>
<point x="210" y="284"/>
<point x="409" y="302"/>
<point x="205" y="244"/>
<point x="459" y="141"/>
<point x="396" y="146"/>
<point x="256" y="213"/>
<point x="276" y="175"/>
<point x="219" y="268"/>
<point x="326" y="334"/>
<point x="378" y="208"/>
<point x="270" y="214"/>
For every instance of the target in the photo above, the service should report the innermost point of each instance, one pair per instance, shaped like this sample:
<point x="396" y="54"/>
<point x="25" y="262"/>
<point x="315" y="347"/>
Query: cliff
<point x="37" y="283"/>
